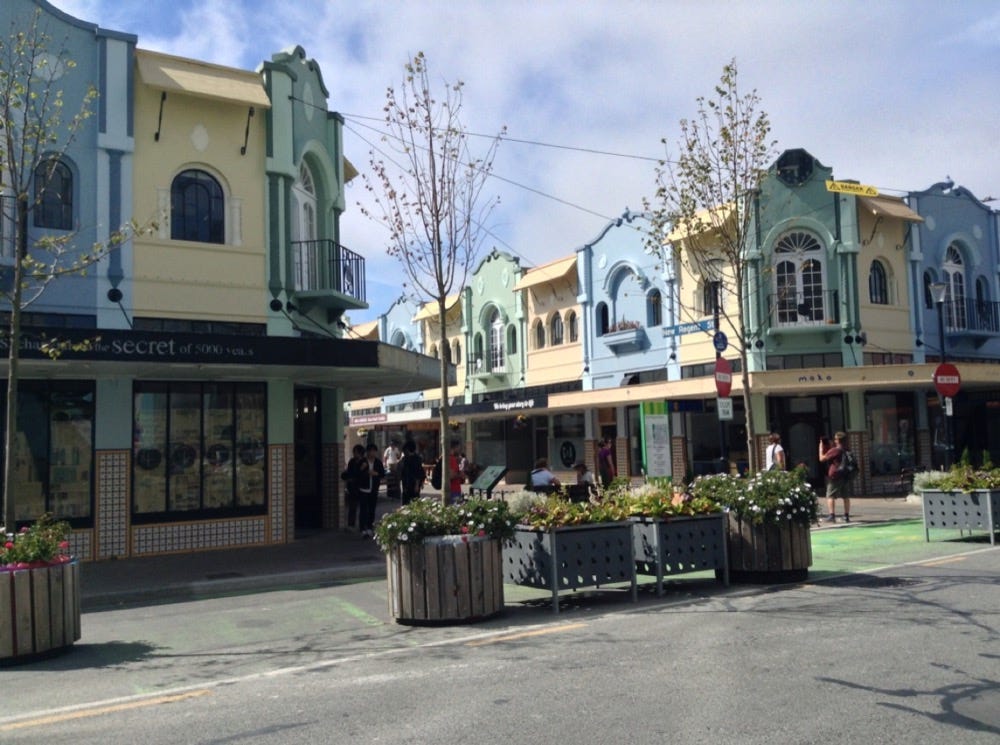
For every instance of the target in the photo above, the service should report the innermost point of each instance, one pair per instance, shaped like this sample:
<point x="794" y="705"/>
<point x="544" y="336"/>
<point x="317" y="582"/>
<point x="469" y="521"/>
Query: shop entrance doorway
<point x="308" y="491"/>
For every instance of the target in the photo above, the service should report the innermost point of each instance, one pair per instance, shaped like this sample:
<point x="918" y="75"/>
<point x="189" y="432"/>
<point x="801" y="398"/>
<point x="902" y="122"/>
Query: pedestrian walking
<point x="774" y="456"/>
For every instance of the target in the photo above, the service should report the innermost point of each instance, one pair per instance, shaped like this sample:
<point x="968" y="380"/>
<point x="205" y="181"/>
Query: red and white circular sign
<point x="947" y="381"/>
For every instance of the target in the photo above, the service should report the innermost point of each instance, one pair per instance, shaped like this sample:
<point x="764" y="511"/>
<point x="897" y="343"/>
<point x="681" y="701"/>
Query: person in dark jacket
<point x="411" y="472"/>
<point x="351" y="478"/>
<point x="371" y="473"/>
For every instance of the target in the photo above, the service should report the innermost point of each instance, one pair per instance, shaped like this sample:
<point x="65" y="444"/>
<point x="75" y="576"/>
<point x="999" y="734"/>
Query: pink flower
<point x="8" y="545"/>
<point x="465" y="528"/>
<point x="481" y="533"/>
<point x="64" y="544"/>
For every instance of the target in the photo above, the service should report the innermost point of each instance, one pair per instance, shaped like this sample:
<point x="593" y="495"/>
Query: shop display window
<point x="199" y="450"/>
<point x="53" y="451"/>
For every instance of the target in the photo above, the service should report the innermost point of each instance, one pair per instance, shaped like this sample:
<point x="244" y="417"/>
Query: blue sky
<point x="897" y="94"/>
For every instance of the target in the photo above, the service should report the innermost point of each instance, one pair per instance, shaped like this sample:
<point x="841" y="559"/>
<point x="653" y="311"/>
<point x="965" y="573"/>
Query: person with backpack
<point x="841" y="467"/>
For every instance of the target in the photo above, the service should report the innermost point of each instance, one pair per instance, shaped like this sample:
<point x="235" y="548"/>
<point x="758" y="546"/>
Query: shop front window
<point x="53" y="451"/>
<point x="198" y="450"/>
<point x="890" y="427"/>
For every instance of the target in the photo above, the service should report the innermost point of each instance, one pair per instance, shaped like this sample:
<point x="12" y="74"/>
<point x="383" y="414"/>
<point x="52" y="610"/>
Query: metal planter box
<point x="963" y="511"/>
<point x="680" y="545"/>
<point x="445" y="579"/>
<point x="43" y="612"/>
<point x="571" y="558"/>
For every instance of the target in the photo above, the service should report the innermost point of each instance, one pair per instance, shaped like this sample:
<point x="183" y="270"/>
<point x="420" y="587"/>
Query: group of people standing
<point x="831" y="456"/>
<point x="364" y="475"/>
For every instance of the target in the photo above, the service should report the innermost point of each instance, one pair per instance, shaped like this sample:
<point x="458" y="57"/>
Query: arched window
<point x="799" y="297"/>
<point x="601" y="316"/>
<point x="878" y="284"/>
<point x="512" y="339"/>
<point x="539" y="334"/>
<point x="456" y="352"/>
<point x="398" y="339"/>
<point x="434" y="351"/>
<point x="305" y="231"/>
<point x="556" y="330"/>
<point x="573" y="323"/>
<point x="477" y="353"/>
<point x="53" y="195"/>
<point x="987" y="317"/>
<point x="953" y="275"/>
<point x="498" y="360"/>
<point x="197" y="208"/>
<point x="928" y="298"/>
<point x="654" y="310"/>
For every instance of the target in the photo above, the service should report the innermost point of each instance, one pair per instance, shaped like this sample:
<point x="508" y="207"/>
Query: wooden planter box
<point x="963" y="511"/>
<point x="571" y="558"/>
<point x="767" y="553"/>
<point x="39" y="611"/>
<point x="445" y="579"/>
<point x="680" y="545"/>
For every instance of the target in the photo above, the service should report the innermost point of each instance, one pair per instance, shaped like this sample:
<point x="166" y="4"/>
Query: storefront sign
<point x="369" y="419"/>
<point x="507" y="406"/>
<point x="112" y="345"/>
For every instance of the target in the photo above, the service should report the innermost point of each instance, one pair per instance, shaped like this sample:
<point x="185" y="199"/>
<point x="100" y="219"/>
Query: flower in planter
<point x="661" y="501"/>
<point x="624" y="325"/>
<point x="555" y="511"/>
<point x="769" y="496"/>
<point x="426" y="517"/>
<point x="40" y="544"/>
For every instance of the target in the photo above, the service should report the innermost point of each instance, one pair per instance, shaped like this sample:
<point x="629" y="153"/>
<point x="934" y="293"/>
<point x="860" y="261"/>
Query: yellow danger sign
<point x="849" y="187"/>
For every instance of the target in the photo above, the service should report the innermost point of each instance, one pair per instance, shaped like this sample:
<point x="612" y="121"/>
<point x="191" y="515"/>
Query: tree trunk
<point x="13" y="350"/>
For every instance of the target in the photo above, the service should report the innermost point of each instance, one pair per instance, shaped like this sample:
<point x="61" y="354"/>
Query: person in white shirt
<point x="542" y="477"/>
<point x="774" y="459"/>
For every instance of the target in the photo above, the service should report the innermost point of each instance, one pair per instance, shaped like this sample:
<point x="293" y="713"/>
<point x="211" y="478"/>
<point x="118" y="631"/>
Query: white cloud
<point x="897" y="93"/>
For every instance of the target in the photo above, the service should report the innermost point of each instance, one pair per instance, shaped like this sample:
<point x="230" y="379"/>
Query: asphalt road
<point x="905" y="654"/>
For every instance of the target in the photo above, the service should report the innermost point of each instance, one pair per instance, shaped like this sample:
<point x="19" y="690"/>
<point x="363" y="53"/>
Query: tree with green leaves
<point x="428" y="192"/>
<point x="701" y="214"/>
<point x="35" y="135"/>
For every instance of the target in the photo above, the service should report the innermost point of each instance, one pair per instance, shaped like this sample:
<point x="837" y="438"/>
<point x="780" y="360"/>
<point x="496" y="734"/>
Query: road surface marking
<point x="99" y="711"/>
<point x="526" y="634"/>
<point x="940" y="562"/>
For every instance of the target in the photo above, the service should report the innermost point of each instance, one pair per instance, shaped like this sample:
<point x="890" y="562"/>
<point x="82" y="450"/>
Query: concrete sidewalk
<point x="313" y="559"/>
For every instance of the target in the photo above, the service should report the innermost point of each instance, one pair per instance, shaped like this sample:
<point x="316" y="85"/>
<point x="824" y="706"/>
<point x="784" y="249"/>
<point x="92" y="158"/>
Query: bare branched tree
<point x="428" y="193"/>
<point x="701" y="209"/>
<point x="35" y="134"/>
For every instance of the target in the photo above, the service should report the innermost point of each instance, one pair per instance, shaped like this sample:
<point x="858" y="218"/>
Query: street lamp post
<point x="939" y="291"/>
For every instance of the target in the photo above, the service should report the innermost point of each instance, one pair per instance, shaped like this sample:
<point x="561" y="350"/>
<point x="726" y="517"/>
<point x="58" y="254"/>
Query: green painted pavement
<point x="860" y="548"/>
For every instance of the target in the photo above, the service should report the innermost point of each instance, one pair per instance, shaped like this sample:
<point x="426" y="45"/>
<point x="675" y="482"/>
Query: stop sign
<point x="947" y="380"/>
<point x="724" y="377"/>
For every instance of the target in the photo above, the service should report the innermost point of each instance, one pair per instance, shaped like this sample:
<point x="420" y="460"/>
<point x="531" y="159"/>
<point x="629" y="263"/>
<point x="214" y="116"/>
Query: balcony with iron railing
<point x="792" y="310"/>
<point x="327" y="274"/>
<point x="978" y="319"/>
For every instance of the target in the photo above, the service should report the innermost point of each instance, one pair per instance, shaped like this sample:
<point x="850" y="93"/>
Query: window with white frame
<point x="953" y="275"/>
<point x="799" y="290"/>
<point x="498" y="360"/>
